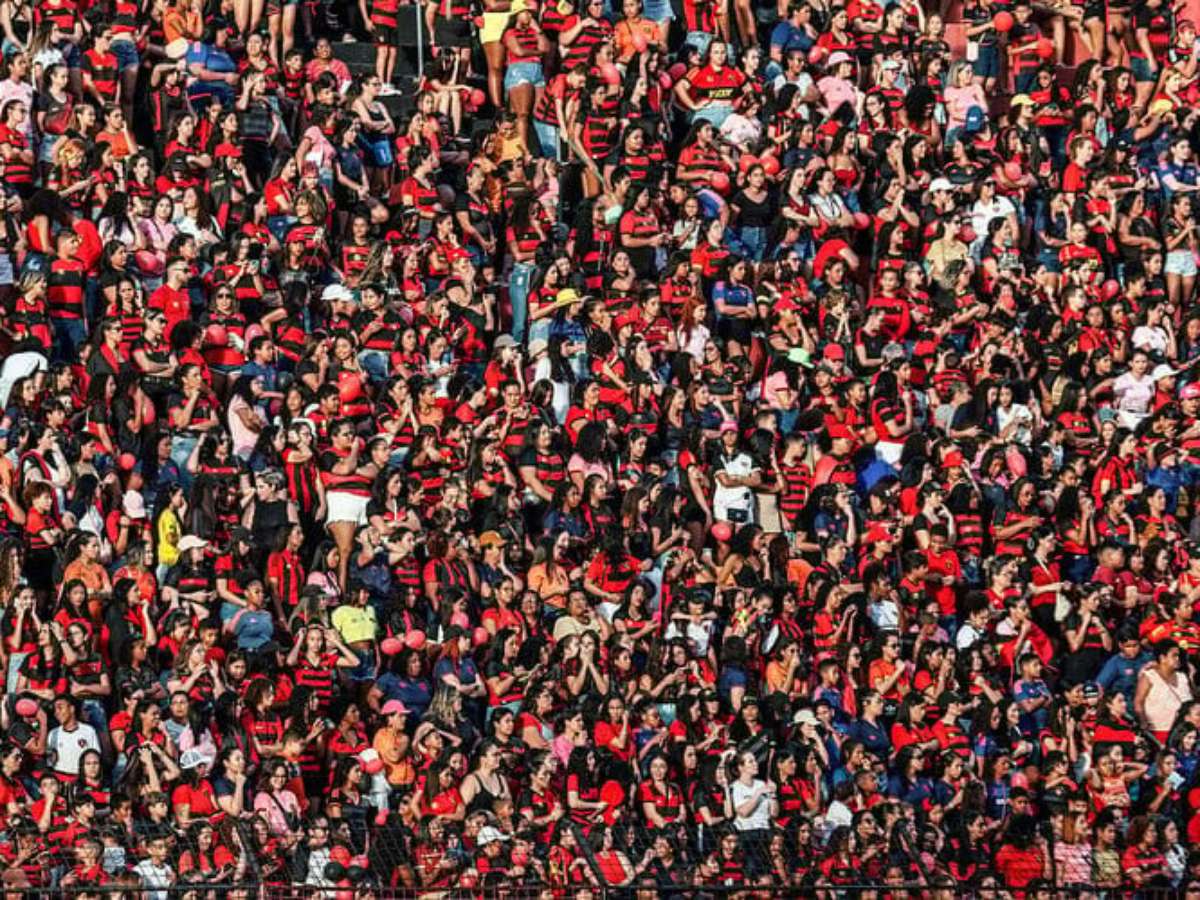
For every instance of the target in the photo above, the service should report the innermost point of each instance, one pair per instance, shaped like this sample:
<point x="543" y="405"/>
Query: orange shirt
<point x="881" y="670"/>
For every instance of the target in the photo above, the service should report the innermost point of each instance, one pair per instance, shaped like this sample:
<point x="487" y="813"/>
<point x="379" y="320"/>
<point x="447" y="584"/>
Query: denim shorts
<point x="987" y="64"/>
<point x="126" y="54"/>
<point x="1180" y="262"/>
<point x="524" y="73"/>
<point x="1141" y="69"/>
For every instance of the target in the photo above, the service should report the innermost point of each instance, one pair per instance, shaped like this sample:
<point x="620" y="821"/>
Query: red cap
<point x="877" y="534"/>
<point x="1190" y="391"/>
<point x="834" y="351"/>
<point x="953" y="458"/>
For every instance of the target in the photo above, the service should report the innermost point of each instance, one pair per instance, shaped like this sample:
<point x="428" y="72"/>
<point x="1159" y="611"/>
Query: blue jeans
<point x="547" y="136"/>
<point x="92" y="712"/>
<point x="699" y="39"/>
<point x="182" y="446"/>
<point x="716" y="113"/>
<point x="754" y="241"/>
<point x="375" y="362"/>
<point x="280" y="225"/>
<point x="69" y="336"/>
<point x="518" y="296"/>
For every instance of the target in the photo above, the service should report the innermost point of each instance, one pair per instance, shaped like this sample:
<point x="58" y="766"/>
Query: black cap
<point x="945" y="698"/>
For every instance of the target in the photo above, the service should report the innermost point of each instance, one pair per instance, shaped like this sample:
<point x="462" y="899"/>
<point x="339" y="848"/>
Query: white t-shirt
<point x="760" y="816"/>
<point x="154" y="877"/>
<point x="69" y="746"/>
<point x="727" y="498"/>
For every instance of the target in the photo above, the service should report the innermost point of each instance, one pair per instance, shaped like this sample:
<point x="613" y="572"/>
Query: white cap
<point x="1162" y="370"/>
<point x="335" y="292"/>
<point x="193" y="758"/>
<point x="489" y="834"/>
<point x="134" y="505"/>
<point x="941" y="184"/>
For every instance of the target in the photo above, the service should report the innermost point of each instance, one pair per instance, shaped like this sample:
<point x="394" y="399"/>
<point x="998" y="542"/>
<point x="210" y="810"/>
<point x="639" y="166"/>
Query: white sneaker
<point x="387" y="89"/>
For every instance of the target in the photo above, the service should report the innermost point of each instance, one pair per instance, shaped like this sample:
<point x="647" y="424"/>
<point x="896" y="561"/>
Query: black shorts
<point x="386" y="35"/>
<point x="452" y="32"/>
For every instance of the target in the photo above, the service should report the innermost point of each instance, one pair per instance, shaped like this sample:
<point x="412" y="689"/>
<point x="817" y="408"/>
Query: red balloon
<point x="460" y="619"/>
<point x="478" y="98"/>
<point x="27" y="707"/>
<point x="719" y="182"/>
<point x="1002" y="21"/>
<point x="1045" y="48"/>
<point x="480" y="637"/>
<point x="1013" y="171"/>
<point x="770" y="165"/>
<point x="677" y="71"/>
<point x="612" y="793"/>
<point x="862" y="220"/>
<point x="1110" y="289"/>
<point x="349" y="386"/>
<point x="967" y="234"/>
<point x="415" y="640"/>
<point x="610" y="74"/>
<point x="216" y="336"/>
<point x="370" y="762"/>
<point x="721" y="531"/>
<point x="390" y="646"/>
<point x="340" y="854"/>
<point x="746" y="162"/>
<point x="381" y="817"/>
<point x="816" y="55"/>
<point x="126" y="461"/>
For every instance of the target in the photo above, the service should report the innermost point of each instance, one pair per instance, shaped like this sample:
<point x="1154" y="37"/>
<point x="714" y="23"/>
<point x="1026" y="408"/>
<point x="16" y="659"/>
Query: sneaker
<point x="387" y="89"/>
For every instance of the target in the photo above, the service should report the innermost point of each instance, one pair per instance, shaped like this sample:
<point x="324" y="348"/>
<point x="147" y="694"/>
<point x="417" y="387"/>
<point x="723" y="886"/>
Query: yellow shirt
<point x="168" y="538"/>
<point x="355" y="624"/>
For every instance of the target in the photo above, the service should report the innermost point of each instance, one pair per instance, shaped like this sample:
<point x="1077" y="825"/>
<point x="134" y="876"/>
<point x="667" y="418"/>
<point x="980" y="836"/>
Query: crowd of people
<point x="667" y="447"/>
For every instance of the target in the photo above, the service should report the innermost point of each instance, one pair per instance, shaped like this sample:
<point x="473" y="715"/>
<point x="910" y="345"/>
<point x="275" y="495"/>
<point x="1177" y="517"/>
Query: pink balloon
<point x="610" y="74"/>
<point x="816" y="55"/>
<point x="415" y="640"/>
<point x="481" y="636"/>
<point x="27" y="707"/>
<point x="677" y="71"/>
<point x="252" y="332"/>
<point x="639" y="42"/>
<point x="381" y="817"/>
<point x="664" y="81"/>
<point x="461" y="620"/>
<point x="721" y="531"/>
<point x="1110" y="289"/>
<point x="478" y="98"/>
<point x="390" y="646"/>
<point x="862" y="220"/>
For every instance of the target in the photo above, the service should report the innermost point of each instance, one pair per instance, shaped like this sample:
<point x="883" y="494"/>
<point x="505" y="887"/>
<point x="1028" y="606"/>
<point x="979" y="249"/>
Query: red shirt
<point x="175" y="305"/>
